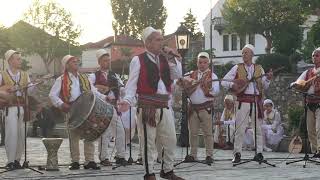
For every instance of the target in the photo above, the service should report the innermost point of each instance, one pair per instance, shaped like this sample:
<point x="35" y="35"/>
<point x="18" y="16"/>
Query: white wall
<point x="89" y="59"/>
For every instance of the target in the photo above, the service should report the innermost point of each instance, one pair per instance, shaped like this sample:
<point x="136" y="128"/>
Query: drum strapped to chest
<point x="90" y="116"/>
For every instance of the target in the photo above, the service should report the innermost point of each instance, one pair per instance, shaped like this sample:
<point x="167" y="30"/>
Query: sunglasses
<point x="316" y="55"/>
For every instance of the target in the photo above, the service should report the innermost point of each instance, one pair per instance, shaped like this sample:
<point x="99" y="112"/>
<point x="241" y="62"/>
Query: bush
<point x="274" y="61"/>
<point x="222" y="70"/>
<point x="295" y="116"/>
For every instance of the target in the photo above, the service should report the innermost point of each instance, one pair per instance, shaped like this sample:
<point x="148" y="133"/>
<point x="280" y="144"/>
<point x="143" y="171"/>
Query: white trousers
<point x="313" y="126"/>
<point x="15" y="134"/>
<point x="242" y="121"/>
<point x="165" y="135"/>
<point x="116" y="130"/>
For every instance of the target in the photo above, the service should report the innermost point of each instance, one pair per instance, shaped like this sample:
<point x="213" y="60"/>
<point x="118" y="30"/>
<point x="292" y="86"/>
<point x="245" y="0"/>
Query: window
<point x="251" y="39"/>
<point x="234" y="42"/>
<point x="225" y="42"/>
<point x="242" y="41"/>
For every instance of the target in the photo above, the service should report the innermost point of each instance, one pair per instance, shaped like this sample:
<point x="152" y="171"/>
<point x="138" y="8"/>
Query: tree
<point x="4" y="41"/>
<point x="190" y="22"/>
<point x="312" y="42"/>
<point x="263" y="17"/>
<point x="55" y="35"/>
<point x="132" y="16"/>
<point x="288" y="39"/>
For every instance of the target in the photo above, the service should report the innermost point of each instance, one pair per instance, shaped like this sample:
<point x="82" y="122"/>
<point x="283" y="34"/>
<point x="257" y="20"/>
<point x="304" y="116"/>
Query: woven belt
<point x="202" y="106"/>
<point x="248" y="98"/>
<point x="154" y="101"/>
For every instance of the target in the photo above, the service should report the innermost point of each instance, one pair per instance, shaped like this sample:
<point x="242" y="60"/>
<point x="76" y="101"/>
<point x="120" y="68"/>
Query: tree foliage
<point x="264" y="17"/>
<point x="312" y="42"/>
<point x="132" y="16"/>
<point x="190" y="22"/>
<point x="288" y="39"/>
<point x="52" y="34"/>
<point x="4" y="41"/>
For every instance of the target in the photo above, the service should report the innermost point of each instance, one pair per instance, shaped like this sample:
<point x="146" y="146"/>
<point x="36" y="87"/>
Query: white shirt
<point x="131" y="86"/>
<point x="198" y="97"/>
<point x="250" y="71"/>
<point x="303" y="77"/>
<point x="75" y="90"/>
<point x="16" y="78"/>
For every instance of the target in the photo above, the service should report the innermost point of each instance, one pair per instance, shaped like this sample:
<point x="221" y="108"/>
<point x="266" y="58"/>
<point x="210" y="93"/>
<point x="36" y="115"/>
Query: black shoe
<point x="17" y="164"/>
<point x="10" y="166"/>
<point x="237" y="158"/>
<point x="74" y="166"/>
<point x="92" y="165"/>
<point x="139" y="161"/>
<point x="149" y="177"/>
<point x="169" y="175"/>
<point x="189" y="158"/>
<point x="316" y="155"/>
<point x="258" y="157"/>
<point x="106" y="162"/>
<point x="121" y="161"/>
<point x="209" y="160"/>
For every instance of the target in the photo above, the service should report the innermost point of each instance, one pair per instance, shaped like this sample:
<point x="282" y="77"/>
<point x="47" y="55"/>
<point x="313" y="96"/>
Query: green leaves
<point x="132" y="16"/>
<point x="263" y="17"/>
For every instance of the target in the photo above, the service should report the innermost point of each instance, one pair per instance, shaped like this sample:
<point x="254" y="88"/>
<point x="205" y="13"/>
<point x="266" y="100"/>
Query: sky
<point x="95" y="16"/>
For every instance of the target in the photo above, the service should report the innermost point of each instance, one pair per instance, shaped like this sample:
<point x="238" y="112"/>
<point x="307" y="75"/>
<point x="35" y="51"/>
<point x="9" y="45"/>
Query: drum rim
<point x="86" y="116"/>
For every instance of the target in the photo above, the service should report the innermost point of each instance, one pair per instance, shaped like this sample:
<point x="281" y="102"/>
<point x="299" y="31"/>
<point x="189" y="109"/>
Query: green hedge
<point x="275" y="61"/>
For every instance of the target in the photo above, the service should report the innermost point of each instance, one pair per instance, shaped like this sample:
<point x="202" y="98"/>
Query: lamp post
<point x="182" y="36"/>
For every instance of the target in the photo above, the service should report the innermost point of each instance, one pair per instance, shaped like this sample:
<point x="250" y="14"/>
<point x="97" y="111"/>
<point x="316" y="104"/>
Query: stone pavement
<point x="221" y="169"/>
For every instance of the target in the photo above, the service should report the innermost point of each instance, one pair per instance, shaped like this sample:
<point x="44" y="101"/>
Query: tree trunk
<point x="268" y="37"/>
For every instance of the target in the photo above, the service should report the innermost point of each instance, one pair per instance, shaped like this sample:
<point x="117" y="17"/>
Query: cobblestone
<point x="221" y="169"/>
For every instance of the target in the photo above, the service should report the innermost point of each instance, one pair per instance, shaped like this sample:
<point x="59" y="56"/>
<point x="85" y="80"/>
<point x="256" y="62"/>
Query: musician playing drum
<point x="150" y="77"/>
<point x="245" y="100"/>
<point x="201" y="105"/>
<point x="313" y="103"/>
<point x="66" y="89"/>
<point x="13" y="77"/>
<point x="107" y="82"/>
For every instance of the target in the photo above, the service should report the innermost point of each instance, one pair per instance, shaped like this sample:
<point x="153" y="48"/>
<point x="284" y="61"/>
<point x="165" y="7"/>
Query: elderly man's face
<point x="15" y="61"/>
<point x="73" y="64"/>
<point x="154" y="43"/>
<point x="203" y="63"/>
<point x="247" y="55"/>
<point x="316" y="58"/>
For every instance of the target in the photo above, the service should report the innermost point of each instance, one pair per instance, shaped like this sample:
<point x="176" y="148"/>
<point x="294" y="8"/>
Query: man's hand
<point x="65" y="107"/>
<point x="269" y="74"/>
<point x="123" y="106"/>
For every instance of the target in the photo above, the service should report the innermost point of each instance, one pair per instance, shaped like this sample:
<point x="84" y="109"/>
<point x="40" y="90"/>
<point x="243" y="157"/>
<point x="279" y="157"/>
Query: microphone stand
<point x="260" y="161"/>
<point x="25" y="164"/>
<point x="306" y="157"/>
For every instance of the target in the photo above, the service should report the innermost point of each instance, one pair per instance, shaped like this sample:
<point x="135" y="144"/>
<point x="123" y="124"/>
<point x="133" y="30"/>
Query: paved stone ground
<point x="222" y="168"/>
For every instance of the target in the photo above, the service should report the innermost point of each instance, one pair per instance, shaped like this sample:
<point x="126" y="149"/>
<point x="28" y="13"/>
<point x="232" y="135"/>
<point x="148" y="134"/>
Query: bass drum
<point x="90" y="116"/>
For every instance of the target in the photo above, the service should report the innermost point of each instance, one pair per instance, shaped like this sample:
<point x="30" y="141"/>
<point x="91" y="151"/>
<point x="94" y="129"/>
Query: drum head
<point x="81" y="109"/>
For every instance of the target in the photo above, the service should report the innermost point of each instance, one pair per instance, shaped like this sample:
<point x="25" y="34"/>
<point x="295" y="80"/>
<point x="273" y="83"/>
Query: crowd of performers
<point x="147" y="98"/>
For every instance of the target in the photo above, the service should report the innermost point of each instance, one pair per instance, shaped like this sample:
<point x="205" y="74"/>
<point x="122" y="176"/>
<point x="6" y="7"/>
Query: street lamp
<point x="182" y="42"/>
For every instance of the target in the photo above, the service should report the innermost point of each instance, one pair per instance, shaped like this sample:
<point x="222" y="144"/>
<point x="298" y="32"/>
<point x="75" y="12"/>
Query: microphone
<point x="170" y="52"/>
